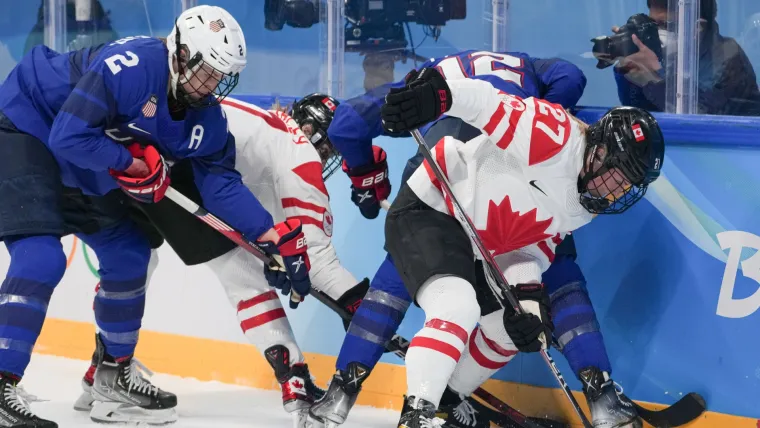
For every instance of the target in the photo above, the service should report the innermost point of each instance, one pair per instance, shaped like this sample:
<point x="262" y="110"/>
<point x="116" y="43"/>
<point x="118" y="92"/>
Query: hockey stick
<point x="493" y="270"/>
<point x="683" y="411"/>
<point x="397" y="345"/>
<point x="680" y="413"/>
<point x="223" y="228"/>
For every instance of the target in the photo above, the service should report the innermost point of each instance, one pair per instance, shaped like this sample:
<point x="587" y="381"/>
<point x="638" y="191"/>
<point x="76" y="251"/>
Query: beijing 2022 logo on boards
<point x="735" y="242"/>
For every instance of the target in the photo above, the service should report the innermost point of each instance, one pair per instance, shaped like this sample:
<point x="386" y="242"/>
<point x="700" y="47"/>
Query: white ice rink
<point x="201" y="404"/>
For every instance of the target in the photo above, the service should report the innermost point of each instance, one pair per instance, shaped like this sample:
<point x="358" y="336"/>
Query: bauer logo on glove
<point x="289" y="270"/>
<point x="425" y="98"/>
<point x="369" y="183"/>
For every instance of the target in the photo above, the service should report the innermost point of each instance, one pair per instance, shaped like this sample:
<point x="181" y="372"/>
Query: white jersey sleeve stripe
<point x="439" y="153"/>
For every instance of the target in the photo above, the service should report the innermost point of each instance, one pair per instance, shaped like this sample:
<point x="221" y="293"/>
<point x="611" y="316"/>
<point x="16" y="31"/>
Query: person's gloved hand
<point x="532" y="330"/>
<point x="290" y="273"/>
<point x="370" y="184"/>
<point x="425" y="98"/>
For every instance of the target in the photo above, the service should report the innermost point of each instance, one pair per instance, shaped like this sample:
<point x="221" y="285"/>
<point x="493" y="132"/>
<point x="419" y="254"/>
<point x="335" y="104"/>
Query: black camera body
<point x="370" y="24"/>
<point x="295" y="13"/>
<point x="608" y="49"/>
<point x="425" y="12"/>
<point x="379" y="25"/>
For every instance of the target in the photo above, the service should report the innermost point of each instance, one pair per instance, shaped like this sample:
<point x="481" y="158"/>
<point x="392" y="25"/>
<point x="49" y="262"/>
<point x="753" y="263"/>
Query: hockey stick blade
<point x="398" y="345"/>
<point x="680" y="413"/>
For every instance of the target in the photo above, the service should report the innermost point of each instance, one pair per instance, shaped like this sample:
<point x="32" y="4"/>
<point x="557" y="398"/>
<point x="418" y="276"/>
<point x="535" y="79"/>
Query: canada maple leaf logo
<point x="297" y="384"/>
<point x="507" y="230"/>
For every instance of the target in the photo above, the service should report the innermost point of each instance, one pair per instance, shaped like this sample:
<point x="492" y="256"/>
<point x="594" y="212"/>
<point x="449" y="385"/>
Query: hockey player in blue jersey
<point x="69" y="124"/>
<point x="357" y="122"/>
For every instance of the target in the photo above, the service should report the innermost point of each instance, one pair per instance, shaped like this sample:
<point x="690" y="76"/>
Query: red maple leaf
<point x="297" y="384"/>
<point x="507" y="230"/>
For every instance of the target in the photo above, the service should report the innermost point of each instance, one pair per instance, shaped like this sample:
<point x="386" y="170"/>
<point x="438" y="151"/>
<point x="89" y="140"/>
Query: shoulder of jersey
<point x="152" y="56"/>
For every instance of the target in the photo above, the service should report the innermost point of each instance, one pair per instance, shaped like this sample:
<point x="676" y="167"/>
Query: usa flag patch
<point x="638" y="133"/>
<point x="150" y="107"/>
<point x="216" y="26"/>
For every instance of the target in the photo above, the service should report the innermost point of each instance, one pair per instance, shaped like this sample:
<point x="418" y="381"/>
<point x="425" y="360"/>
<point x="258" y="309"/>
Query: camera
<point x="295" y="13"/>
<point x="371" y="25"/>
<point x="379" y="25"/>
<point x="608" y="49"/>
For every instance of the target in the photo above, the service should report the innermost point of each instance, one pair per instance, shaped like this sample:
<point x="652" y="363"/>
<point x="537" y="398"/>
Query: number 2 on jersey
<point x="484" y="63"/>
<point x="114" y="60"/>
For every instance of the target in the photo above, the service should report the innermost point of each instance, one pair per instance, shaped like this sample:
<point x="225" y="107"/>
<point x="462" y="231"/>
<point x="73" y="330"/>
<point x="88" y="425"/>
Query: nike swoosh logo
<point x="533" y="183"/>
<point x="133" y="126"/>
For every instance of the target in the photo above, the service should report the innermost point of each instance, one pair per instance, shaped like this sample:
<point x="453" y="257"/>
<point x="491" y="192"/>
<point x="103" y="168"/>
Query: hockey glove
<point x="148" y="189"/>
<point x="530" y="331"/>
<point x="425" y="98"/>
<point x="290" y="273"/>
<point x="370" y="184"/>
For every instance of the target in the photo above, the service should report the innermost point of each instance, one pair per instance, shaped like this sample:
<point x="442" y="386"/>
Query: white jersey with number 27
<point x="517" y="181"/>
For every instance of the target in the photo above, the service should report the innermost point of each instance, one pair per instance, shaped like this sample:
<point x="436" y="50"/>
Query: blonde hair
<point x="279" y="107"/>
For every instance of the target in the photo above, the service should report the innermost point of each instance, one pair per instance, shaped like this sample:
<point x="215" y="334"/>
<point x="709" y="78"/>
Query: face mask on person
<point x="668" y="40"/>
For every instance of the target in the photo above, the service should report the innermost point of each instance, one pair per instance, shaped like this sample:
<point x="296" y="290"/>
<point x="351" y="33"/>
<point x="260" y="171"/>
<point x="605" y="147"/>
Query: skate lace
<point x="618" y="387"/>
<point x="426" y="422"/>
<point x="27" y="396"/>
<point x="465" y="413"/>
<point x="15" y="401"/>
<point x="136" y="380"/>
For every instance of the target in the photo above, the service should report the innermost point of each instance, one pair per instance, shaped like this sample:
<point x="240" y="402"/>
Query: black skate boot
<point x="458" y="412"/>
<point x="419" y="413"/>
<point x="332" y="410"/>
<point x="298" y="389"/>
<point x="14" y="410"/>
<point x="122" y="394"/>
<point x="610" y="408"/>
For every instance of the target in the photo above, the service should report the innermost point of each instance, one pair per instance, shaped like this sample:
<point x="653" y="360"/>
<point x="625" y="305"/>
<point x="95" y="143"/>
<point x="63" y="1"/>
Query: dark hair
<point x="708" y="9"/>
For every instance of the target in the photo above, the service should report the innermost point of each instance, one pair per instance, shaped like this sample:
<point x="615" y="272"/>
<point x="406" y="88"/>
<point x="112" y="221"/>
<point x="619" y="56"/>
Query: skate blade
<point x="120" y="413"/>
<point x="84" y="403"/>
<point x="322" y="422"/>
<point x="312" y="422"/>
<point x="302" y="419"/>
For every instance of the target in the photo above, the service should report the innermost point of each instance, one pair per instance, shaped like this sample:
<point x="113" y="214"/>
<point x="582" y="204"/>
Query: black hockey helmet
<point x="318" y="110"/>
<point x="624" y="154"/>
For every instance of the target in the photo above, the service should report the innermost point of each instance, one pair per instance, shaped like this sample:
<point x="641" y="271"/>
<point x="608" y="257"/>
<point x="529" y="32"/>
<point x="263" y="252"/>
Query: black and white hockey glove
<point x="425" y="98"/>
<point x="530" y="331"/>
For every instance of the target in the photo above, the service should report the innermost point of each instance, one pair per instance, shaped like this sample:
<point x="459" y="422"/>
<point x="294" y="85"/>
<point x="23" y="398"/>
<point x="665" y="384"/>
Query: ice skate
<point x="419" y="413"/>
<point x="332" y="410"/>
<point x="14" y="408"/>
<point x="610" y="408"/>
<point x="85" y="401"/>
<point x="122" y="394"/>
<point x="458" y="412"/>
<point x="298" y="389"/>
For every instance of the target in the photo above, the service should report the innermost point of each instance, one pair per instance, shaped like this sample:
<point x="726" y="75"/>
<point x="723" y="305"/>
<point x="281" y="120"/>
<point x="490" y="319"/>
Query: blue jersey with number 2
<point x="83" y="104"/>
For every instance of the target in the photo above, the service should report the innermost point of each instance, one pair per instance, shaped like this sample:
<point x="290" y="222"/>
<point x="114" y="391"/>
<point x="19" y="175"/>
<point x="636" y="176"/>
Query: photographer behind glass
<point x="643" y="47"/>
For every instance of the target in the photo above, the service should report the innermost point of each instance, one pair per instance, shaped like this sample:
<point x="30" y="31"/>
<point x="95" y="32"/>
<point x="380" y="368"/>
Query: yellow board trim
<point x="241" y="364"/>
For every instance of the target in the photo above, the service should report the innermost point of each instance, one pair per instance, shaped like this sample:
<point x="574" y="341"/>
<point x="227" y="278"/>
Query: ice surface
<point x="201" y="404"/>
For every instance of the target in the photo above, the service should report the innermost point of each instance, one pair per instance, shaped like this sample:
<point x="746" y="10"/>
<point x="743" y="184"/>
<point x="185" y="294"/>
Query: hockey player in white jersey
<point x="282" y="161"/>
<point x="534" y="175"/>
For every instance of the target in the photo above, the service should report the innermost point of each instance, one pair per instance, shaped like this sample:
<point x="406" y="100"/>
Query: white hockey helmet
<point x="209" y="47"/>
